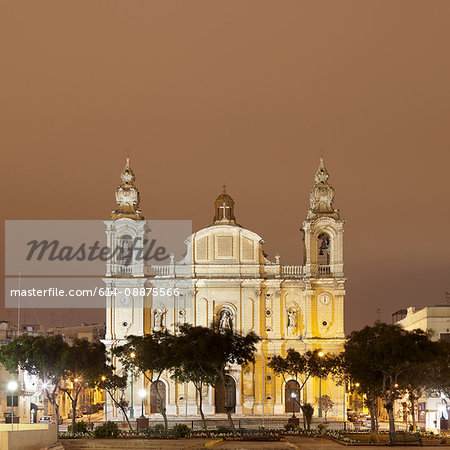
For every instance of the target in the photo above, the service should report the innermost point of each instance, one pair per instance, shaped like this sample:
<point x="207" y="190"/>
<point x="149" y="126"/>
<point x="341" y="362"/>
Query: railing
<point x="121" y="269"/>
<point x="292" y="270"/>
<point x="157" y="270"/>
<point x="324" y="270"/>
<point x="270" y="422"/>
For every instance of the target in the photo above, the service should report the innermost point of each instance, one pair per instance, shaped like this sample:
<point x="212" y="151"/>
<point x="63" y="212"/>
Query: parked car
<point x="46" y="419"/>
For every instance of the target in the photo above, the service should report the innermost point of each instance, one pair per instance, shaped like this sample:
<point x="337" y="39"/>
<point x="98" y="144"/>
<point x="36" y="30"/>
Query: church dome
<point x="224" y="209"/>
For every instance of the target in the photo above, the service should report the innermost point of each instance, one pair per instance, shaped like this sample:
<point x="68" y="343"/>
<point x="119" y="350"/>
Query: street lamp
<point x="320" y="354"/>
<point x="132" y="356"/>
<point x="294" y="397"/>
<point x="12" y="386"/>
<point x="142" y="394"/>
<point x="105" y="417"/>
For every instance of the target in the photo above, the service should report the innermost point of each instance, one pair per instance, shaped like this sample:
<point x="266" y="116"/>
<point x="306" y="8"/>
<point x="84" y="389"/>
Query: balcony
<point x="121" y="269"/>
<point x="158" y="270"/>
<point x="292" y="271"/>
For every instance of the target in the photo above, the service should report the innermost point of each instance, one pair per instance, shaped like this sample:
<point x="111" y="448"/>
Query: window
<point x="15" y="400"/>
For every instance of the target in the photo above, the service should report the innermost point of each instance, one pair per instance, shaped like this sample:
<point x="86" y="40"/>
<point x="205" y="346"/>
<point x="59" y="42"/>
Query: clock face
<point x="125" y="300"/>
<point x="325" y="299"/>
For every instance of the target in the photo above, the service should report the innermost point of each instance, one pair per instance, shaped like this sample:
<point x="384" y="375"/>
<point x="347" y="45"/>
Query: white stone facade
<point x="225" y="279"/>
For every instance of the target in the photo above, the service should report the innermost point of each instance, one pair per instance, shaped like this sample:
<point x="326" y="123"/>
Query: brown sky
<point x="248" y="93"/>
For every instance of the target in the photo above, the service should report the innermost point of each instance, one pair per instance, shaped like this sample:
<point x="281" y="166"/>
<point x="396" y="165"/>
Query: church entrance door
<point x="154" y="399"/>
<point x="289" y="402"/>
<point x="225" y="397"/>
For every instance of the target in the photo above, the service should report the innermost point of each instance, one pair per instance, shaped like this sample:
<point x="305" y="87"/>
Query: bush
<point x="107" y="430"/>
<point x="80" y="428"/>
<point x="158" y="428"/>
<point x="156" y="431"/>
<point x="321" y="427"/>
<point x="289" y="427"/>
<point x="224" y="430"/>
<point x="180" y="430"/>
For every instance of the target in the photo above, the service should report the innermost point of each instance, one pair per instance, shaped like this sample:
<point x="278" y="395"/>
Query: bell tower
<point x="323" y="230"/>
<point x="324" y="260"/>
<point x="125" y="268"/>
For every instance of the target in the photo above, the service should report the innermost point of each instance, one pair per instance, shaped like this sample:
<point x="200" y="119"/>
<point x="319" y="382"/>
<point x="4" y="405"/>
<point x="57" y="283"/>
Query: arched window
<point x="291" y="387"/>
<point x="324" y="249"/>
<point x="155" y="400"/>
<point x="225" y="397"/>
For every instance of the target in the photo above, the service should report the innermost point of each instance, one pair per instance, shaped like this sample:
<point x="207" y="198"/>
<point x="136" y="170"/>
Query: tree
<point x="439" y="371"/>
<point x="301" y="367"/>
<point x="349" y="368"/>
<point x="379" y="357"/>
<point x="114" y="385"/>
<point x="226" y="349"/>
<point x="43" y="356"/>
<point x="324" y="403"/>
<point x="190" y="347"/>
<point x="308" y="412"/>
<point x="84" y="362"/>
<point x="151" y="354"/>
<point x="215" y="354"/>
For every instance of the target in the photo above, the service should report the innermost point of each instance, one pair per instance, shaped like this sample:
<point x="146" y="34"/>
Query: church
<point x="226" y="279"/>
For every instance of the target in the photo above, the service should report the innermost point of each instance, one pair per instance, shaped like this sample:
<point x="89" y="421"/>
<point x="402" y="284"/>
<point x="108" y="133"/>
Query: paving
<point x="291" y="442"/>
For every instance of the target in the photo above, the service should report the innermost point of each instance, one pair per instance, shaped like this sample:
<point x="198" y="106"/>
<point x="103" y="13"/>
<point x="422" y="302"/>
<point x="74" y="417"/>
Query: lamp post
<point x="320" y="354"/>
<point x="294" y="397"/>
<point x="142" y="394"/>
<point x="12" y="386"/>
<point x="132" y="356"/>
<point x="105" y="418"/>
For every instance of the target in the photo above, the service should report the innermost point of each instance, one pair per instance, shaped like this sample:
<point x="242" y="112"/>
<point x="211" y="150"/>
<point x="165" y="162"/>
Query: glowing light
<point x="357" y="384"/>
<point x="44" y="386"/>
<point x="320" y="354"/>
<point x="103" y="378"/>
<point x="12" y="386"/>
<point x="76" y="380"/>
<point x="142" y="393"/>
<point x="293" y="394"/>
<point x="132" y="355"/>
<point x="396" y="385"/>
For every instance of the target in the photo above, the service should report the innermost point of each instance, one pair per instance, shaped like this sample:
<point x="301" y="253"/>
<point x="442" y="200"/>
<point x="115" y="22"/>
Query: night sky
<point x="247" y="93"/>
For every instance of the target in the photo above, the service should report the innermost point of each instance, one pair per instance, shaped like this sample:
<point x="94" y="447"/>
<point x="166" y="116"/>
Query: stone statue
<point x="292" y="321"/>
<point x="159" y="319"/>
<point x="225" y="323"/>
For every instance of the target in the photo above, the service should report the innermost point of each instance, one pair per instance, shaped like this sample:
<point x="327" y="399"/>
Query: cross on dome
<point x="224" y="209"/>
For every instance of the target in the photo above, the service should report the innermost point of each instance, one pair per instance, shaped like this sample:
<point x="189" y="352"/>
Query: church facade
<point x="226" y="279"/>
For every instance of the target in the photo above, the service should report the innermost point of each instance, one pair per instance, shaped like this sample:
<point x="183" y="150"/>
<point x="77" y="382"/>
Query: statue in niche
<point x="292" y="321"/>
<point x="159" y="314"/>
<point x="225" y="321"/>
